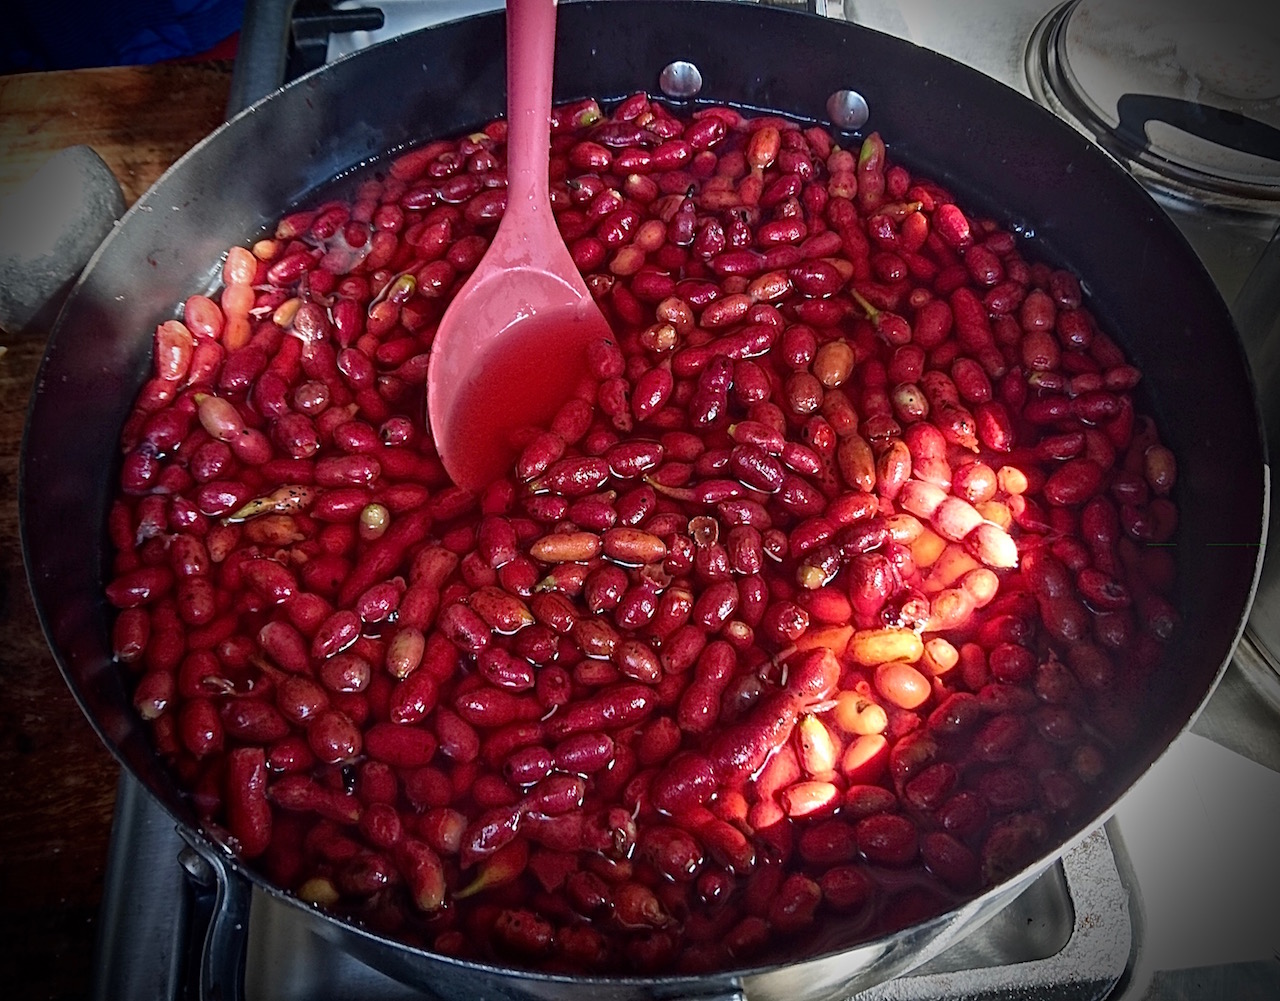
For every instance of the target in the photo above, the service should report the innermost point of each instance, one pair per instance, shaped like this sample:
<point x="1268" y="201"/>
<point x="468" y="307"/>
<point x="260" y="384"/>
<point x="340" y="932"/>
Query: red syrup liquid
<point x="522" y="382"/>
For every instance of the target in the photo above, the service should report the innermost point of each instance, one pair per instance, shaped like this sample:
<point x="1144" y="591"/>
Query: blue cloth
<point x="72" y="34"/>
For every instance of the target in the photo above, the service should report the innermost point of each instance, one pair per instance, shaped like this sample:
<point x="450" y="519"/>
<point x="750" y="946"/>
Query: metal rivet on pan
<point x="197" y="868"/>
<point x="848" y="109"/>
<point x="680" y="79"/>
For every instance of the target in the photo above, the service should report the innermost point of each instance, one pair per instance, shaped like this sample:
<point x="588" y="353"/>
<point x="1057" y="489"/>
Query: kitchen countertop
<point x="57" y="781"/>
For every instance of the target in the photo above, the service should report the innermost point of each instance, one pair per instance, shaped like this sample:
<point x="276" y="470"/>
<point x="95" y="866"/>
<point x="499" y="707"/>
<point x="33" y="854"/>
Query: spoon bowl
<point x="511" y="347"/>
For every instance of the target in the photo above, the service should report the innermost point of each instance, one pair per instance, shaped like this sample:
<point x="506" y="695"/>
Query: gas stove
<point x="1177" y="896"/>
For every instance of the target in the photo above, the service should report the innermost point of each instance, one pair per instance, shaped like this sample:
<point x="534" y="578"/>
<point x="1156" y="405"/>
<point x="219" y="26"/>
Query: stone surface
<point x="49" y="228"/>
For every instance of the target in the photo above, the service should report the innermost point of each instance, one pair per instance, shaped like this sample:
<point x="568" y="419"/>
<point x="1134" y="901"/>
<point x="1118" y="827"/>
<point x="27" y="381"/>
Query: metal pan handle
<point x="185" y="943"/>
<point x="222" y="901"/>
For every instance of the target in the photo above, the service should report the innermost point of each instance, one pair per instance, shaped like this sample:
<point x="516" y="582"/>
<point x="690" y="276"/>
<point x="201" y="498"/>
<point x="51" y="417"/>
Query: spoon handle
<point x="531" y="42"/>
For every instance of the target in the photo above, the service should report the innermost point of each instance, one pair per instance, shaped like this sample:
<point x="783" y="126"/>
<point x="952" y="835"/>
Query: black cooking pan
<point x="1001" y="154"/>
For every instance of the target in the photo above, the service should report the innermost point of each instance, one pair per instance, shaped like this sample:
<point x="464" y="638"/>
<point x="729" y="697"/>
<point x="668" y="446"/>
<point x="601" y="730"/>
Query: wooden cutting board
<point x="57" y="781"/>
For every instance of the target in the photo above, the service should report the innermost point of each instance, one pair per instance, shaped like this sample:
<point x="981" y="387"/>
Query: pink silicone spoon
<point x="510" y="347"/>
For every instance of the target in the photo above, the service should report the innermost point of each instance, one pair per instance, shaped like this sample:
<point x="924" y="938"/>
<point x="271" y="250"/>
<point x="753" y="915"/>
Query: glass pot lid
<point x="1188" y="89"/>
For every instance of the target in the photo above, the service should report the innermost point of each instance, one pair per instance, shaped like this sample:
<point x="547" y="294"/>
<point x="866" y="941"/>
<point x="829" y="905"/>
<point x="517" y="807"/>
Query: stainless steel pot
<point x="1000" y="153"/>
